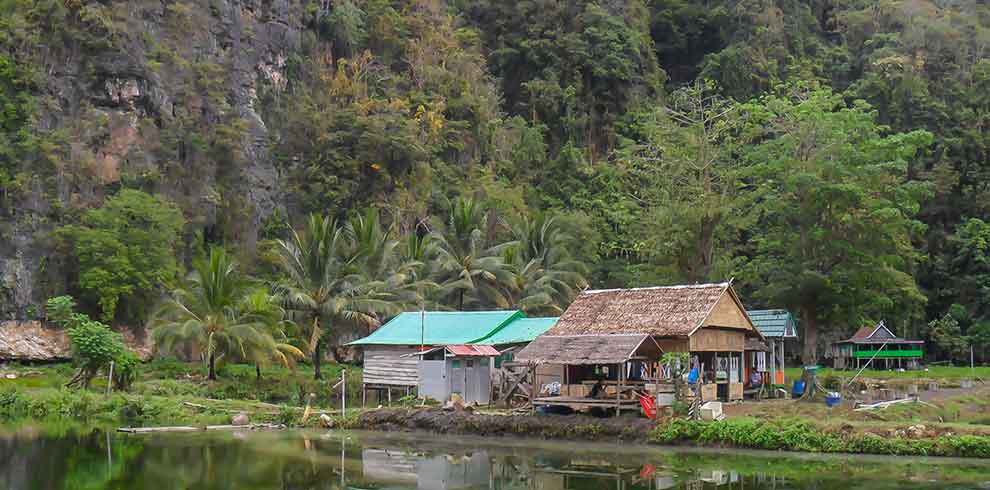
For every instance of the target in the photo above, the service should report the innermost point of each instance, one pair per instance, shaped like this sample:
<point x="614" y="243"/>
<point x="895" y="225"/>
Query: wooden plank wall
<point x="673" y="345"/>
<point x="727" y="314"/>
<point x="548" y="373"/>
<point x="718" y="340"/>
<point x="384" y="365"/>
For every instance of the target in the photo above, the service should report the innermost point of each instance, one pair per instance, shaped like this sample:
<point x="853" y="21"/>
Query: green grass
<point x="935" y="373"/>
<point x="161" y="387"/>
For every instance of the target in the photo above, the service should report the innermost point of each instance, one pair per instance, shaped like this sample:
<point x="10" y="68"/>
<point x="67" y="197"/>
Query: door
<point x="471" y="380"/>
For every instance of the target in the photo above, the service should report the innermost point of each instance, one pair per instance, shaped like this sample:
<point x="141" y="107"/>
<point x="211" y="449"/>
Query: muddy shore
<point x="571" y="427"/>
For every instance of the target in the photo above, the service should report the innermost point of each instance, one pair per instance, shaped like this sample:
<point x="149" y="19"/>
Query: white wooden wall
<point x="384" y="365"/>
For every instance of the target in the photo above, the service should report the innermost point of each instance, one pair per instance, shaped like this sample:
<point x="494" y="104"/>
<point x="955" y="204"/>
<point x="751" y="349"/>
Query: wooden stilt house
<point x="706" y="320"/>
<point x="778" y="327"/>
<point x="879" y="347"/>
<point x="391" y="353"/>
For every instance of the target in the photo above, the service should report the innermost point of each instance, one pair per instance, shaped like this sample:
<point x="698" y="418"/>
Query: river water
<point x="72" y="459"/>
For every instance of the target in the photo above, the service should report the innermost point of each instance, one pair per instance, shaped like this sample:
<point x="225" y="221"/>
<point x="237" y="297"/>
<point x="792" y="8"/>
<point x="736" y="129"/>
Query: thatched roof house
<point x="637" y="325"/>
<point x="674" y="315"/>
<point x="590" y="349"/>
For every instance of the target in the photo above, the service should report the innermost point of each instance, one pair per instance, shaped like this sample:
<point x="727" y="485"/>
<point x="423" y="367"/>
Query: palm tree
<point x="265" y="309"/>
<point x="547" y="277"/>
<point x="380" y="258"/>
<point x="208" y="311"/>
<point x="472" y="271"/>
<point x="324" y="284"/>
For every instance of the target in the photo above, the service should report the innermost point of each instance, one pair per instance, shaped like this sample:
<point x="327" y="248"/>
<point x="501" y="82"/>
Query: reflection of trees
<point x="220" y="463"/>
<point x="71" y="461"/>
<point x="309" y="461"/>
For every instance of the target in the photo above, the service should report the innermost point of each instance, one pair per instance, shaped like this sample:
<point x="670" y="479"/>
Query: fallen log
<point x="150" y="430"/>
<point x="226" y="410"/>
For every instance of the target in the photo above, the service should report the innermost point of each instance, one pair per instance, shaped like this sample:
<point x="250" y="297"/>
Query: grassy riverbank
<point x="956" y="423"/>
<point x="175" y="393"/>
<point x="805" y="435"/>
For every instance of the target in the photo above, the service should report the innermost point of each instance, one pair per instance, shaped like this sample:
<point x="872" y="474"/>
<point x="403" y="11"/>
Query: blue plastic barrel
<point x="798" y="389"/>
<point x="833" y="400"/>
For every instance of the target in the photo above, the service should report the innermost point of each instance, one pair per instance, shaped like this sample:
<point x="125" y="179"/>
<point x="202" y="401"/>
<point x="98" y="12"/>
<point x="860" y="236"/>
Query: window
<point x="470" y="363"/>
<point x="498" y="362"/>
<point x="483" y="362"/>
<point x="456" y="364"/>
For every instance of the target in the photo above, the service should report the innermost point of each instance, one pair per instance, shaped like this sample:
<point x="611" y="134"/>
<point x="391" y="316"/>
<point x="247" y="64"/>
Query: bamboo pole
<point x="110" y="378"/>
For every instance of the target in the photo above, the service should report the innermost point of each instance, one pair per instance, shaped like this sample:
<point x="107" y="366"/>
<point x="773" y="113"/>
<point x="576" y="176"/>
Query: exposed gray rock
<point x="119" y="104"/>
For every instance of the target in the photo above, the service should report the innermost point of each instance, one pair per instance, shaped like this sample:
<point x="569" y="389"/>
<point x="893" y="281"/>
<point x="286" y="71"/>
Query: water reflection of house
<point x="718" y="477"/>
<point x="441" y="472"/>
<point x="578" y="474"/>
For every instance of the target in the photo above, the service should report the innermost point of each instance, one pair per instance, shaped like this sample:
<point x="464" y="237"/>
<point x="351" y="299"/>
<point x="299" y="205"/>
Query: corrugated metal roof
<point x="440" y="327"/>
<point x="473" y="350"/>
<point x="519" y="331"/>
<point x="774" y="323"/>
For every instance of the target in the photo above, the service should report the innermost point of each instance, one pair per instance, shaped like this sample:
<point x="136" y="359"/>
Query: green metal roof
<point x="774" y="323"/>
<point x="518" y="331"/>
<point x="439" y="327"/>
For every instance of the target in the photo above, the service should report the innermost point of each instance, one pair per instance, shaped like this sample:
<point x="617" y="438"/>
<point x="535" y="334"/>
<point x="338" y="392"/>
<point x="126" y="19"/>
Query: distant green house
<point x="391" y="357"/>
<point x="878" y="346"/>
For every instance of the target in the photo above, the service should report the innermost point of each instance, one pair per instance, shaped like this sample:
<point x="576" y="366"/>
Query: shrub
<point x="94" y="346"/>
<point x="801" y="435"/>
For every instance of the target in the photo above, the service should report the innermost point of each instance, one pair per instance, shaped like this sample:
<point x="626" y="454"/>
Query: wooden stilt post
<point x="775" y="367"/>
<point x="533" y="387"/>
<point x="567" y="381"/>
<point x="618" y="391"/>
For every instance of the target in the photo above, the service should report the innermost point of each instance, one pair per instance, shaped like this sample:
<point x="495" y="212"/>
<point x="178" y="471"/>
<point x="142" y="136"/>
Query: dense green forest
<point x="831" y="157"/>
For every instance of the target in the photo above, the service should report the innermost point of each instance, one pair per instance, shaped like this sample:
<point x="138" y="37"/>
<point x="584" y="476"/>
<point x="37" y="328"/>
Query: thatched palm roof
<point x="589" y="349"/>
<point x="672" y="311"/>
<point x="31" y="341"/>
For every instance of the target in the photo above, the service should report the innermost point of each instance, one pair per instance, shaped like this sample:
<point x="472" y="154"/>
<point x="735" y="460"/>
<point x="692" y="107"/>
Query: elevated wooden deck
<point x="580" y="403"/>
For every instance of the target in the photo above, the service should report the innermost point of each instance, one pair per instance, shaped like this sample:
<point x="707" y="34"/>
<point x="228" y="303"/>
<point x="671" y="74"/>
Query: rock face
<point x="30" y="341"/>
<point x="171" y="100"/>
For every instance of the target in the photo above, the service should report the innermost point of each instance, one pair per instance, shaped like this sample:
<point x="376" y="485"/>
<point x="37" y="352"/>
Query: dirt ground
<point x="581" y="427"/>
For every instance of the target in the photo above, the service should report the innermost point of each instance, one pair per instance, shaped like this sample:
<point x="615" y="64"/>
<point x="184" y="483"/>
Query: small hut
<point x="464" y="370"/>
<point x="777" y="327"/>
<point x="878" y="346"/>
<point x="391" y="353"/>
<point x="706" y="320"/>
<point x="616" y="363"/>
